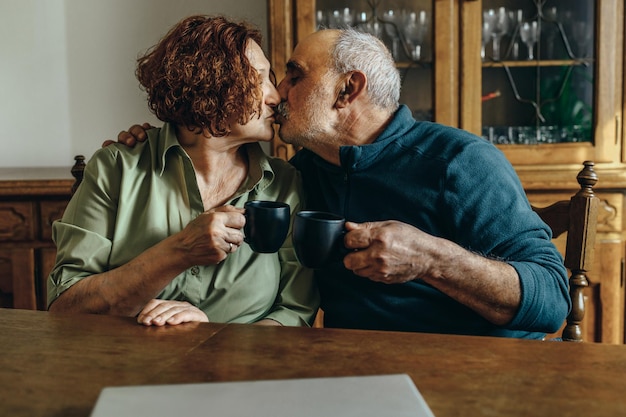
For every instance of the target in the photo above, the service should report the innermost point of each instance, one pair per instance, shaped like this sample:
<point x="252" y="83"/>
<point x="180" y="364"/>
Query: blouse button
<point x="195" y="270"/>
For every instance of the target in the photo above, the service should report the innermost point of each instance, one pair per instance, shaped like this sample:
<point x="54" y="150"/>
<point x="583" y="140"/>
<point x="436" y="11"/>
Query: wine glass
<point x="516" y="18"/>
<point x="529" y="32"/>
<point x="499" y="22"/>
<point x="414" y="31"/>
<point x="362" y="20"/>
<point x="581" y="33"/>
<point x="341" y="19"/>
<point x="320" y="20"/>
<point x="392" y="21"/>
<point x="349" y="16"/>
<point x="486" y="36"/>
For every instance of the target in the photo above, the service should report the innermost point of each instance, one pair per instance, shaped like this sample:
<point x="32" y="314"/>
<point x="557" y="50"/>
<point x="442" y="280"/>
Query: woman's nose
<point x="272" y="97"/>
<point x="282" y="89"/>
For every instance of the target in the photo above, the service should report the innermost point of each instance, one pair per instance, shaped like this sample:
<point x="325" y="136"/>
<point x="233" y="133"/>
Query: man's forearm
<point x="487" y="286"/>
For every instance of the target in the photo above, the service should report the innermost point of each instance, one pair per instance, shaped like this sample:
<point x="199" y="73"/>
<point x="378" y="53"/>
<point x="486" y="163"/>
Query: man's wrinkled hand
<point x="390" y="251"/>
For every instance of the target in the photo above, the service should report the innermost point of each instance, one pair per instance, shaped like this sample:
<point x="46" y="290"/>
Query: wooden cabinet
<point x="30" y="200"/>
<point x="459" y="79"/>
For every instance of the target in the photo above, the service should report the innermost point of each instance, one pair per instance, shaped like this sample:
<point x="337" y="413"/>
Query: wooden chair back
<point x="578" y="218"/>
<point x="77" y="171"/>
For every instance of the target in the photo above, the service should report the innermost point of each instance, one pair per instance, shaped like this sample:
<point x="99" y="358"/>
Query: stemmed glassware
<point x="375" y="28"/>
<point x="516" y="18"/>
<point x="392" y="20"/>
<point x="341" y="19"/>
<point x="499" y="22"/>
<point x="320" y="20"/>
<point x="369" y="24"/>
<point x="486" y="37"/>
<point x="362" y="19"/>
<point x="414" y="31"/>
<point x="581" y="33"/>
<point x="529" y="33"/>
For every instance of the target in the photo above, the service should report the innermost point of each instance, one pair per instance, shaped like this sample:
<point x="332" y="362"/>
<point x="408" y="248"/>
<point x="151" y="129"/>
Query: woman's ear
<point x="353" y="86"/>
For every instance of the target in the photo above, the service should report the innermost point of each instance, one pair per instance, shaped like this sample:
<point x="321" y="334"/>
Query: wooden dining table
<point x="57" y="364"/>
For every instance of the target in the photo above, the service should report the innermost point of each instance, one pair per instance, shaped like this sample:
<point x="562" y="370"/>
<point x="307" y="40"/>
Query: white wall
<point x="67" y="70"/>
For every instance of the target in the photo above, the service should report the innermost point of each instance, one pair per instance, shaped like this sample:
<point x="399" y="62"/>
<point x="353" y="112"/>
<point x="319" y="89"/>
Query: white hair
<point x="359" y="51"/>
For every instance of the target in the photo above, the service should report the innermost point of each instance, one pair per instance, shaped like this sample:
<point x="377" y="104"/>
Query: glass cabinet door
<point x="542" y="79"/>
<point x="428" y="63"/>
<point x="406" y="27"/>
<point x="550" y="89"/>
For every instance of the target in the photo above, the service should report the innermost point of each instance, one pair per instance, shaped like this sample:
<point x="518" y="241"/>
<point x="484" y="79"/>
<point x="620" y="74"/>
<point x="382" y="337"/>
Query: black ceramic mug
<point x="318" y="238"/>
<point x="267" y="225"/>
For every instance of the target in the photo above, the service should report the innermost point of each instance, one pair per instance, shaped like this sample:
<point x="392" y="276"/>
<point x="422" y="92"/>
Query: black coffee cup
<point x="267" y="225"/>
<point x="318" y="238"/>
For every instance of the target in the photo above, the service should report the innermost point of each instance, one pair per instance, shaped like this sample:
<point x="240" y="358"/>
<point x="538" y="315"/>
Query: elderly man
<point x="424" y="202"/>
<point x="432" y="249"/>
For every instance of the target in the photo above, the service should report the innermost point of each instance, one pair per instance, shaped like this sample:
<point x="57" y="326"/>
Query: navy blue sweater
<point x="451" y="184"/>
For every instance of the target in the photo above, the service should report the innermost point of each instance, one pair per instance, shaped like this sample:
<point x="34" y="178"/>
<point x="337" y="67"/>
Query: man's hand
<point x="136" y="133"/>
<point x="162" y="312"/>
<point x="390" y="251"/>
<point x="393" y="252"/>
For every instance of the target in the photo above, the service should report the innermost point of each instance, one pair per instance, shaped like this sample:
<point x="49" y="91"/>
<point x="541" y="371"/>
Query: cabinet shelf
<point x="412" y="64"/>
<point x="541" y="63"/>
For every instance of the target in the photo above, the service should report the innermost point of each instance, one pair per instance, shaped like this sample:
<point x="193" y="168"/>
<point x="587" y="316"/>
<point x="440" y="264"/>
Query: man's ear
<point x="353" y="86"/>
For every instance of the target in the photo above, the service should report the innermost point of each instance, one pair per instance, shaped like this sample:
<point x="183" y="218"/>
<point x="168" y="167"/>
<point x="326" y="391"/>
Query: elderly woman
<point x="156" y="231"/>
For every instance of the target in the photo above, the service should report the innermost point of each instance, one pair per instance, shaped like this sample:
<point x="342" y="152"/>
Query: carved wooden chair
<point x="578" y="218"/>
<point x="77" y="171"/>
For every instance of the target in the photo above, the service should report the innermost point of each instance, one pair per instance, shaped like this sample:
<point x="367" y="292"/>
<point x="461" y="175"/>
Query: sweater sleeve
<point x="491" y="215"/>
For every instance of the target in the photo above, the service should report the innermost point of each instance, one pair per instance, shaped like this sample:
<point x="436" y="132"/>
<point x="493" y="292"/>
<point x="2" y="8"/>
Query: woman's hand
<point x="162" y="312"/>
<point x="212" y="236"/>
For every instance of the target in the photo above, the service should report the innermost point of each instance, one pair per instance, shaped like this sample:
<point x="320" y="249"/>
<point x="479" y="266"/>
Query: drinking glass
<point x="362" y="19"/>
<point x="341" y="19"/>
<point x="415" y="30"/>
<point x="374" y="27"/>
<point x="320" y="20"/>
<point x="499" y="22"/>
<point x="369" y="24"/>
<point x="392" y="21"/>
<point x="516" y="18"/>
<point x="486" y="36"/>
<point x="348" y="16"/>
<point x="581" y="33"/>
<point x="529" y="32"/>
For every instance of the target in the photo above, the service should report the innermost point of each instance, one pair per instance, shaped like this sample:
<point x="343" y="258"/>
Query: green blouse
<point x="132" y="198"/>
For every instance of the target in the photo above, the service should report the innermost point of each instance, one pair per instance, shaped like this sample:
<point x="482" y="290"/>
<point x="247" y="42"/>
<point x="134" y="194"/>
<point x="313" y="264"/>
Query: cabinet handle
<point x="621" y="278"/>
<point x="618" y="125"/>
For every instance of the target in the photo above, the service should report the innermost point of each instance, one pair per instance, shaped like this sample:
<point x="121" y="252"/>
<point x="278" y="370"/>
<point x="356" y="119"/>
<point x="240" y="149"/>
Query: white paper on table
<point x="358" y="396"/>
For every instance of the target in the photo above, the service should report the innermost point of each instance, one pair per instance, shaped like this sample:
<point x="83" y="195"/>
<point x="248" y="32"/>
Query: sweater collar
<point x="358" y="157"/>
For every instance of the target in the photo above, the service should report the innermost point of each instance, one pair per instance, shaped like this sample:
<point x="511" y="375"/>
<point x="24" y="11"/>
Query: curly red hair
<point x="199" y="76"/>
